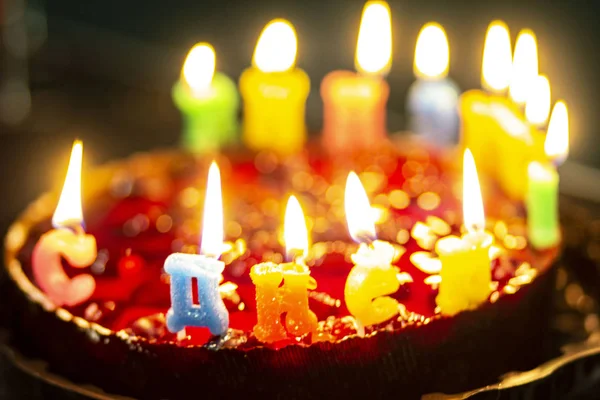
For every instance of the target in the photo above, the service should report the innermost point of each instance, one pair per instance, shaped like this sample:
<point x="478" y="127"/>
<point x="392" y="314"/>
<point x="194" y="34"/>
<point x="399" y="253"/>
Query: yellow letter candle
<point x="274" y="93"/>
<point x="208" y="101"/>
<point x="68" y="240"/>
<point x="466" y="263"/>
<point x="354" y="105"/>
<point x="291" y="298"/>
<point x="373" y="276"/>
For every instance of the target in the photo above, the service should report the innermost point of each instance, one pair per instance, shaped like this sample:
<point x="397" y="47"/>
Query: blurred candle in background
<point x="525" y="67"/>
<point x="537" y="107"/>
<point x="355" y="104"/>
<point x="208" y="102"/>
<point x="275" y="93"/>
<point x="556" y="146"/>
<point x="433" y="98"/>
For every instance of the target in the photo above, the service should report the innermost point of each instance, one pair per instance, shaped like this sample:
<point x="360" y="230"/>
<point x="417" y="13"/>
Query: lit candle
<point x="355" y="104"/>
<point x="272" y="298"/>
<point x="466" y="263"/>
<point x="525" y="66"/>
<point x="433" y="98"/>
<point x="208" y="101"/>
<point x="373" y="276"/>
<point x="275" y="93"/>
<point x="542" y="192"/>
<point x="479" y="131"/>
<point x="210" y="312"/>
<point x="69" y="241"/>
<point x="537" y="108"/>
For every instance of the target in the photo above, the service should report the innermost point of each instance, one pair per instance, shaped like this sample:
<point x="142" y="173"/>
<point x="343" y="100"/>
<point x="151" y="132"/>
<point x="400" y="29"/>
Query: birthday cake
<point x="393" y="270"/>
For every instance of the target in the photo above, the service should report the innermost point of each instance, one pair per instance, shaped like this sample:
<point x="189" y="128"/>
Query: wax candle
<point x="354" y="105"/>
<point x="275" y="93"/>
<point x="373" y="276"/>
<point x="283" y="288"/>
<point x="542" y="192"/>
<point x="525" y="66"/>
<point x="466" y="263"/>
<point x="68" y="241"/>
<point x="433" y="98"/>
<point x="210" y="312"/>
<point x="208" y="102"/>
<point x="479" y="132"/>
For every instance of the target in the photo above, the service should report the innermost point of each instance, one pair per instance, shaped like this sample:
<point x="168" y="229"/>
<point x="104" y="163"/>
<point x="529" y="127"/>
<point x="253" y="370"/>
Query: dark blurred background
<point x="103" y="70"/>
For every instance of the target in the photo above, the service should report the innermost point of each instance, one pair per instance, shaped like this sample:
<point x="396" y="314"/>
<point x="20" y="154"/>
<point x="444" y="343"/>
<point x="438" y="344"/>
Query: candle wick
<point x="365" y="237"/>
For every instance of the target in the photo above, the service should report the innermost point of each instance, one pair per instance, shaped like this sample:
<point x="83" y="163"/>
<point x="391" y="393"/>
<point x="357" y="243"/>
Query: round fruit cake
<point x="142" y="209"/>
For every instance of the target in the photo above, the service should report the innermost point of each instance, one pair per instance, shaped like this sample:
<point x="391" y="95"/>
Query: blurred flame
<point x="359" y="214"/>
<point x="212" y="223"/>
<point x="295" y="233"/>
<point x="68" y="210"/>
<point x="537" y="107"/>
<point x="276" y="48"/>
<point x="473" y="215"/>
<point x="557" y="138"/>
<point x="199" y="68"/>
<point x="525" y="66"/>
<point x="432" y="54"/>
<point x="374" y="47"/>
<point x="497" y="58"/>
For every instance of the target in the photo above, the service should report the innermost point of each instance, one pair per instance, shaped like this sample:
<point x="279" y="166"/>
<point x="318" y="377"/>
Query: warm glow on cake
<point x="68" y="211"/>
<point x="374" y="48"/>
<point x="276" y="48"/>
<point x="473" y="215"/>
<point x="432" y="54"/>
<point x="557" y="138"/>
<point x="212" y="223"/>
<point x="537" y="108"/>
<point x="525" y="66"/>
<point x="295" y="233"/>
<point x="199" y="68"/>
<point x="497" y="58"/>
<point x="359" y="215"/>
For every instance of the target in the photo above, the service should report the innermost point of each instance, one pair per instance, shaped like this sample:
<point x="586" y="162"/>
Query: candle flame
<point x="525" y="66"/>
<point x="295" y="233"/>
<point x="374" y="47"/>
<point x="537" y="107"/>
<point x="68" y="210"/>
<point x="358" y="210"/>
<point x="432" y="54"/>
<point x="557" y="138"/>
<point x="276" y="48"/>
<point x="199" y="68"/>
<point x="212" y="224"/>
<point x="497" y="58"/>
<point x="473" y="215"/>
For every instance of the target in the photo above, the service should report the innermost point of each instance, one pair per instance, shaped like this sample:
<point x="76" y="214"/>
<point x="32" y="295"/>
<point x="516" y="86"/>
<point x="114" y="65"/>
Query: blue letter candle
<point x="210" y="311"/>
<point x="433" y="99"/>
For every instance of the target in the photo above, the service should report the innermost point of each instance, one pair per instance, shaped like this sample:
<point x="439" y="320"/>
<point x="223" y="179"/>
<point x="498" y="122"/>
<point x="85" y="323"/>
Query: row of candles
<point x="503" y="132"/>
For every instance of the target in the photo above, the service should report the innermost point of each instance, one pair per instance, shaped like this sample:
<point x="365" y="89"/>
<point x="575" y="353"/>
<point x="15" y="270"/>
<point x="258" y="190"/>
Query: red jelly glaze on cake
<point x="415" y="353"/>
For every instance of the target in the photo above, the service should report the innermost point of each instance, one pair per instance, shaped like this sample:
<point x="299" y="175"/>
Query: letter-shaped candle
<point x="355" y="104"/>
<point x="68" y="240"/>
<point x="373" y="277"/>
<point x="275" y="93"/>
<point x="208" y="101"/>
<point x="466" y="264"/>
<point x="291" y="298"/>
<point x="210" y="311"/>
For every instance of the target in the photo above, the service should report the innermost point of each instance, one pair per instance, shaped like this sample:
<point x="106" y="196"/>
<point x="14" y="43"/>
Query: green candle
<point x="542" y="206"/>
<point x="208" y="102"/>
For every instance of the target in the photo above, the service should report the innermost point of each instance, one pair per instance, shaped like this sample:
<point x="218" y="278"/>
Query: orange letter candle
<point x="68" y="240"/>
<point x="373" y="277"/>
<point x="275" y="93"/>
<point x="291" y="298"/>
<point x="466" y="264"/>
<point x="355" y="104"/>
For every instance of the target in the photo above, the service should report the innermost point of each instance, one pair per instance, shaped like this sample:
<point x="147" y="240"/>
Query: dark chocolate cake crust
<point x="446" y="355"/>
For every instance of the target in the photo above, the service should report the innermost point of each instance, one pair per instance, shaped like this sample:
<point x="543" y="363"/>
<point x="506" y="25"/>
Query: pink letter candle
<point x="68" y="240"/>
